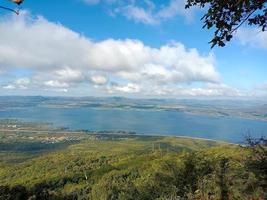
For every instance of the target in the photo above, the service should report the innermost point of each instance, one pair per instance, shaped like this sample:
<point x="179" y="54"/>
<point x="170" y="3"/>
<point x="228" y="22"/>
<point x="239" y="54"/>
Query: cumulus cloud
<point x="21" y="83"/>
<point x="60" y="58"/>
<point x="127" y="88"/>
<point x="152" y="15"/>
<point x="69" y="75"/>
<point x="138" y="14"/>
<point x="253" y="37"/>
<point x="99" y="80"/>
<point x="175" y="7"/>
<point x="56" y="84"/>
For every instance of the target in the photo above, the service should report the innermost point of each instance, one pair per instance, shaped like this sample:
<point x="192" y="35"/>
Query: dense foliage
<point x="139" y="168"/>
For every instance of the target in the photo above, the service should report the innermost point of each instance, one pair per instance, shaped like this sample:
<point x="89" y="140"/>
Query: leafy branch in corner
<point x="18" y="2"/>
<point x="226" y="16"/>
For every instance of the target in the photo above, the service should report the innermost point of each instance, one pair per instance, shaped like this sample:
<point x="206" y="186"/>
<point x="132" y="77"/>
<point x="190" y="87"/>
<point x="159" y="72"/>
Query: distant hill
<point x="248" y="109"/>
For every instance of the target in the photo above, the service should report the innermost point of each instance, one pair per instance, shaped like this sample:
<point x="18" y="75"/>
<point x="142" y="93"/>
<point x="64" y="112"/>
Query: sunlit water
<point x="144" y="122"/>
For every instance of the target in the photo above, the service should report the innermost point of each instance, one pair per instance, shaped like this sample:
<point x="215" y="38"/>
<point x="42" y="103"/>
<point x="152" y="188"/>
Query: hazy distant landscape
<point x="247" y="109"/>
<point x="226" y="120"/>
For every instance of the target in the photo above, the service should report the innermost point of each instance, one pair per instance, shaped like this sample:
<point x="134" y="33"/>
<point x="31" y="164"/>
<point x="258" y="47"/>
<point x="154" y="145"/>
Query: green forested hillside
<point x="131" y="167"/>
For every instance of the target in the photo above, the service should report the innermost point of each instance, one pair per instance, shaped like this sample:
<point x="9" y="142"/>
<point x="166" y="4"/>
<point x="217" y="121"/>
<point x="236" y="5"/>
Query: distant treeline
<point x="108" y="132"/>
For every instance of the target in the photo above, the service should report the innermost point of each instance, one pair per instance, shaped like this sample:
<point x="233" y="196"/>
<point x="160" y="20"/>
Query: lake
<point x="145" y="122"/>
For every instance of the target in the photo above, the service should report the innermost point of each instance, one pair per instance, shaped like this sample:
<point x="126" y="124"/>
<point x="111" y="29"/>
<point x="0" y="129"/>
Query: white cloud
<point x="99" y="80"/>
<point x="57" y="90"/>
<point x="175" y="7"/>
<point x="9" y="87"/>
<point x="68" y="74"/>
<point x="127" y="88"/>
<point x="219" y="90"/>
<point x="252" y="37"/>
<point x="21" y="83"/>
<point x="146" y="11"/>
<point x="207" y="90"/>
<point x="62" y="60"/>
<point x="138" y="14"/>
<point x="56" y="84"/>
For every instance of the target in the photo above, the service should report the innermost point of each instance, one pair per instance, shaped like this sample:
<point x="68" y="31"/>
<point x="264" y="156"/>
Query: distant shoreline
<point x="248" y="109"/>
<point x="66" y="130"/>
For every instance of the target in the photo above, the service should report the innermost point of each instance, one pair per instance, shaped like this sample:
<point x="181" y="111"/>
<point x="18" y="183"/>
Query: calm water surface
<point x="146" y="122"/>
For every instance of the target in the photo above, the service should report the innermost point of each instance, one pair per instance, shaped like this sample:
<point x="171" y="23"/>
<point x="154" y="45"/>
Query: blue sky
<point x="126" y="48"/>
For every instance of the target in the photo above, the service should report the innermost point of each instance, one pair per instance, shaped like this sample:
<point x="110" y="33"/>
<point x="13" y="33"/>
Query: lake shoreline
<point x="66" y="130"/>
